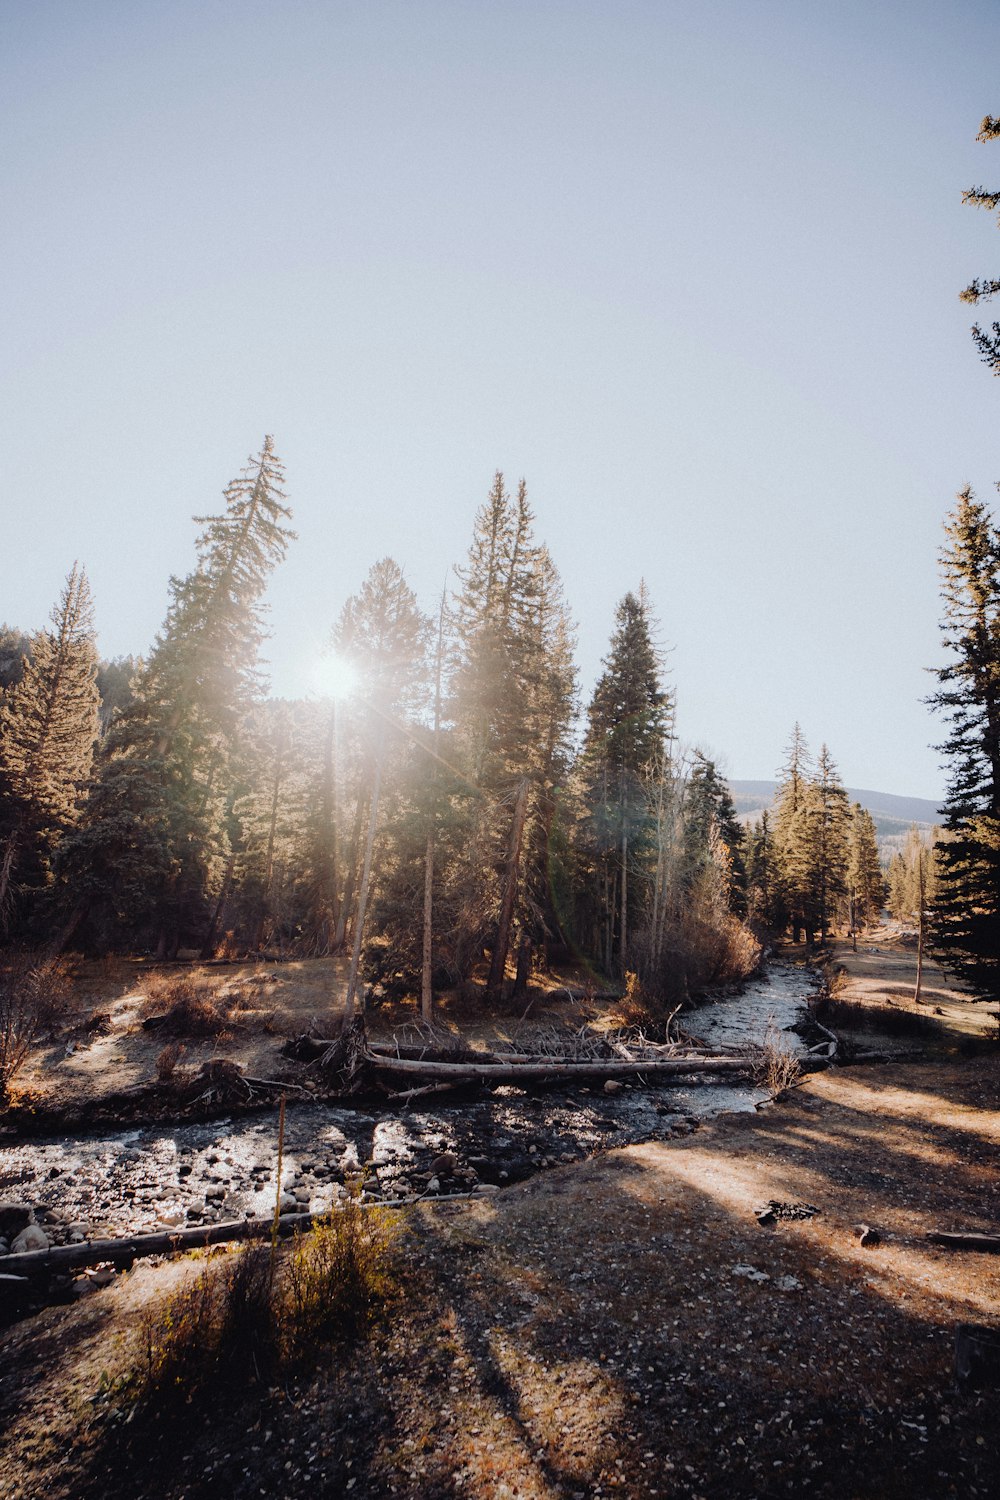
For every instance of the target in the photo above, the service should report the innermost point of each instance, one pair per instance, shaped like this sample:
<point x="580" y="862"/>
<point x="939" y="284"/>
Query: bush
<point x="190" y="1008"/>
<point x="263" y="1312"/>
<point x="33" y="995"/>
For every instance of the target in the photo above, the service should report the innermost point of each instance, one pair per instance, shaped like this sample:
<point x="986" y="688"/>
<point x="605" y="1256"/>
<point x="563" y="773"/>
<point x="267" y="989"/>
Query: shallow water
<point x="156" y="1176"/>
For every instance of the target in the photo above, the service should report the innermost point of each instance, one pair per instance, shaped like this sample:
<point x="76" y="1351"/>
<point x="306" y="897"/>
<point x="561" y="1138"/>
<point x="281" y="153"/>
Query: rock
<point x="100" y="1276"/>
<point x="751" y="1273"/>
<point x="788" y="1284"/>
<point x="434" y="1185"/>
<point x="30" y="1238"/>
<point x="14" y="1217"/>
<point x="977" y="1356"/>
<point x="4" y="1247"/>
<point x="866" y="1235"/>
<point x="444" y="1165"/>
<point x="289" y="1204"/>
<point x="487" y="1187"/>
<point x="612" y="1086"/>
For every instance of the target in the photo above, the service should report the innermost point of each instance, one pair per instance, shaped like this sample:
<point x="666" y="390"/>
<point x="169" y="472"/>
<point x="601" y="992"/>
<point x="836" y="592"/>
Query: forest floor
<point x="623" y="1325"/>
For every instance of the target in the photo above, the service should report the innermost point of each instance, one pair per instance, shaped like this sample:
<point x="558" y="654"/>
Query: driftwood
<point x="122" y="1252"/>
<point x="988" y="1242"/>
<point x="550" y="1067"/>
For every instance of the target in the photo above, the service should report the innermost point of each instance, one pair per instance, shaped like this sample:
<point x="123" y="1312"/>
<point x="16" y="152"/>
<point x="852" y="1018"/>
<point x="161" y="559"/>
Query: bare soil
<point x="622" y="1325"/>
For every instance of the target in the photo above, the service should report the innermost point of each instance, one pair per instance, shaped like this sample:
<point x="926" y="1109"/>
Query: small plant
<point x="166" y="1063"/>
<point x="33" y="994"/>
<point x="262" y="1312"/>
<point x="191" y="1009"/>
<point x="336" y="1277"/>
<point x="774" y="1069"/>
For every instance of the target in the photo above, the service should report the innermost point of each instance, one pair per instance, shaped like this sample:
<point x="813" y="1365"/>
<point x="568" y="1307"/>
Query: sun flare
<point x="335" y="677"/>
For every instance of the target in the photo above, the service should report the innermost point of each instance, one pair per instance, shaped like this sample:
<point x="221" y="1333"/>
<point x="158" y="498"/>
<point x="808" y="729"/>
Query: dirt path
<point x="620" y="1326"/>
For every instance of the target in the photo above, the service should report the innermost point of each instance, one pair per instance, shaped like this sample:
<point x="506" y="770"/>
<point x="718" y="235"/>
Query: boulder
<point x="30" y="1238"/>
<point x="14" y="1217"/>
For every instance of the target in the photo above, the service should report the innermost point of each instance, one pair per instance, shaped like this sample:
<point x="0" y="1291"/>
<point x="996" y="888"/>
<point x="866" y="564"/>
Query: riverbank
<point x="622" y="1325"/>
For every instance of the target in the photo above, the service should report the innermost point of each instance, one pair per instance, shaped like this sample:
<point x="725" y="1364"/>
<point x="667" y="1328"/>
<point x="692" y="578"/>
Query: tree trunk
<point x="623" y="944"/>
<point x="352" y="872"/>
<point x="921" y="924"/>
<point x="208" y="946"/>
<point x="523" y="966"/>
<point x="498" y="963"/>
<point x="359" y="921"/>
<point x="427" y="955"/>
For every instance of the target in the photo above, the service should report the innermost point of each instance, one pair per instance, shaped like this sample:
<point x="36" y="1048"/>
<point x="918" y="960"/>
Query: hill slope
<point x="893" y="815"/>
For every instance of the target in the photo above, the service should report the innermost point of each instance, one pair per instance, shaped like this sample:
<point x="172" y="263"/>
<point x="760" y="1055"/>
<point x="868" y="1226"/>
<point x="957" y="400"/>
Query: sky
<point x="691" y="271"/>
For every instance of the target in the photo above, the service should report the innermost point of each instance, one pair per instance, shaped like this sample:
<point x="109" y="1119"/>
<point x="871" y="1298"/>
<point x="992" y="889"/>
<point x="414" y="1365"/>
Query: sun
<point x="334" y="676"/>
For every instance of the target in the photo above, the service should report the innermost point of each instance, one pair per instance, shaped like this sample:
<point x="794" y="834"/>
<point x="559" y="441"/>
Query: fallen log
<point x="971" y="1241"/>
<point x="122" y="1252"/>
<point x="508" y="1072"/>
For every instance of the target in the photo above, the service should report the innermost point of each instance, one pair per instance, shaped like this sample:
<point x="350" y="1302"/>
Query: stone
<point x="289" y="1204"/>
<point x="867" y="1235"/>
<point x="30" y="1238"/>
<point x="977" y="1357"/>
<point x="14" y="1217"/>
<point x="612" y="1086"/>
<point x="444" y="1165"/>
<point x="487" y="1187"/>
<point x="434" y="1185"/>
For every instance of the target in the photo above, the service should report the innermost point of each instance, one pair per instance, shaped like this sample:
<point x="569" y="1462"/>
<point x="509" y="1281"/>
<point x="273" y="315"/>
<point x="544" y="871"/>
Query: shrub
<point x="190" y="1007"/>
<point x="166" y="1063"/>
<point x="262" y="1312"/>
<point x="33" y="994"/>
<point x="336" y="1277"/>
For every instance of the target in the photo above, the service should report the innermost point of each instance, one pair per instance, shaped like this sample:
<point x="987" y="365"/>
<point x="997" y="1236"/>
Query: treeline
<point x="449" y="818"/>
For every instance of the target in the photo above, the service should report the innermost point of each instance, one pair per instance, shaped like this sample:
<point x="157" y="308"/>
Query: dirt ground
<point x="620" y="1326"/>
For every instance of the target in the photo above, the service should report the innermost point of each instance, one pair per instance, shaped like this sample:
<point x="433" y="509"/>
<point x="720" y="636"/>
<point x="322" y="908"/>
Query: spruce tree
<point x="865" y="881"/>
<point x="966" y="913"/>
<point x="791" y="823"/>
<point x="48" y="728"/>
<point x="628" y="721"/>
<point x="163" y="784"/>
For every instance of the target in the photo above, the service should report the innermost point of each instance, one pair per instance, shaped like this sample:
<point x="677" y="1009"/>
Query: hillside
<point x="893" y="814"/>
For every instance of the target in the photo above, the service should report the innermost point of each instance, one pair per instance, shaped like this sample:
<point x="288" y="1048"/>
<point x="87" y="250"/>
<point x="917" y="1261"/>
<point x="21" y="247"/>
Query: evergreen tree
<point x="977" y="291"/>
<point x="163" y="784"/>
<point x="48" y="727"/>
<point x="763" y="886"/>
<point x="791" y="895"/>
<point x="966" y="914"/>
<point x="710" y="810"/>
<point x="865" y="881"/>
<point x="512" y="701"/>
<point x="628" y="721"/>
<point x="829" y="844"/>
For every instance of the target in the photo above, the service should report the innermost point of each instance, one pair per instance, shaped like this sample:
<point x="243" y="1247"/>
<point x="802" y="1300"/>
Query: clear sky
<point x="692" y="270"/>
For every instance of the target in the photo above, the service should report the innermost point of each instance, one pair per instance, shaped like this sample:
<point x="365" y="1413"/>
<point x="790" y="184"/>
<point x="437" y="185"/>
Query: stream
<point x="160" y="1176"/>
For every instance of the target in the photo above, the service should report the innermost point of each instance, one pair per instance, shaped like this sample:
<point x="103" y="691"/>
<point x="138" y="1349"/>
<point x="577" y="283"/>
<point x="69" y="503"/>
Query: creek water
<point x="141" y="1179"/>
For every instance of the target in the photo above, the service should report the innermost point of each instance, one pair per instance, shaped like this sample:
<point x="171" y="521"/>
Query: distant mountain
<point x="893" y="815"/>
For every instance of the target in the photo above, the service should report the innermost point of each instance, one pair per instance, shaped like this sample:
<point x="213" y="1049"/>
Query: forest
<point x="443" y="812"/>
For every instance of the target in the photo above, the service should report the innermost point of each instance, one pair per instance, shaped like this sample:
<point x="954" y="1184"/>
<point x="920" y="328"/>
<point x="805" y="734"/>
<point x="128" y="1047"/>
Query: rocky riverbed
<point x="78" y="1188"/>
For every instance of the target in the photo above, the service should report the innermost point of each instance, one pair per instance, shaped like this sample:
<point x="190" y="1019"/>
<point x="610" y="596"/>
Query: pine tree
<point x="48" y="728"/>
<point x="162" y="787"/>
<point x="792" y="890"/>
<point x="966" y="914"/>
<point x="865" y="881"/>
<point x="512" y="701"/>
<point x="710" y="809"/>
<point x="628" y="721"/>
<point x="977" y="291"/>
<point x="830" y="852"/>
<point x="384" y="633"/>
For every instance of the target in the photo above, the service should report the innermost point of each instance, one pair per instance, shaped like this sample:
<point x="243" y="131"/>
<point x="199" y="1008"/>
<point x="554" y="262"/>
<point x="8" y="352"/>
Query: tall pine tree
<point x="48" y="728"/>
<point x="966" y="913"/>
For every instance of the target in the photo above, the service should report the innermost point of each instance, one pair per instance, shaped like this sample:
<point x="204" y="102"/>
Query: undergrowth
<point x="255" y="1314"/>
